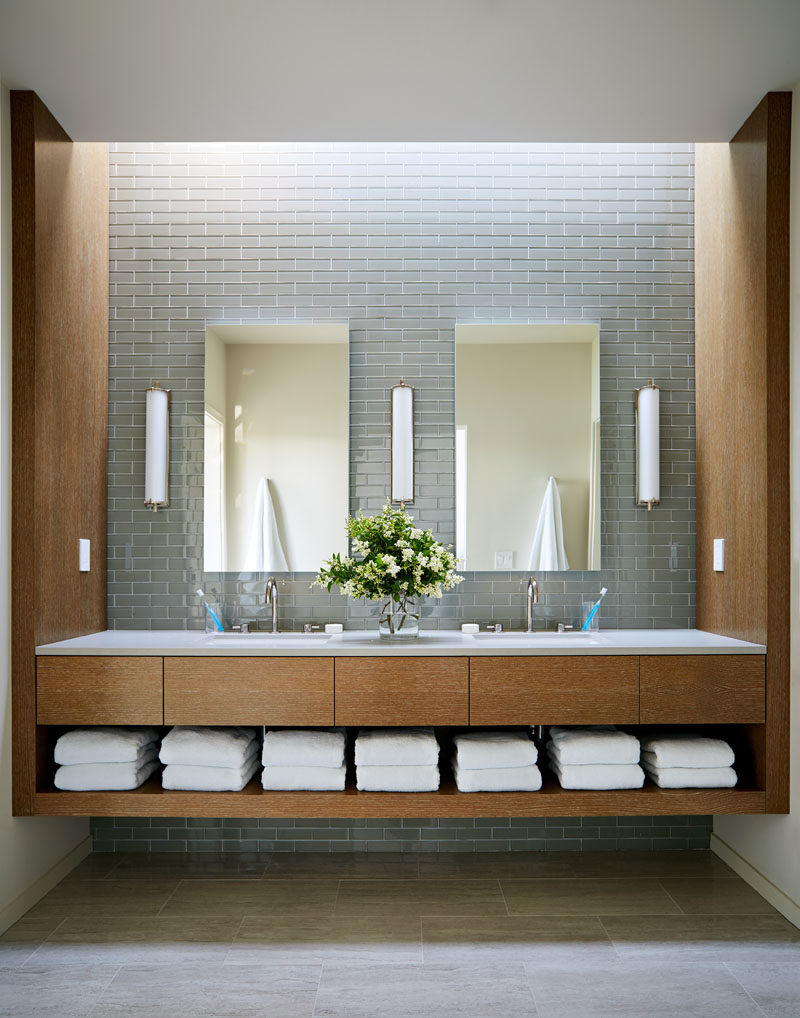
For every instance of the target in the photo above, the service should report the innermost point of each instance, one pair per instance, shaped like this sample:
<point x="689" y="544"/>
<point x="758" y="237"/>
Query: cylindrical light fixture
<point x="402" y="443"/>
<point x="156" y="449"/>
<point x="647" y="403"/>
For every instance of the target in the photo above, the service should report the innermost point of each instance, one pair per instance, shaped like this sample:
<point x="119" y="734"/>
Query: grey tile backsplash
<point x="401" y="241"/>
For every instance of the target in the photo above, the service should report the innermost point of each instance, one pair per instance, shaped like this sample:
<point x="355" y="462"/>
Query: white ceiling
<point x="402" y="70"/>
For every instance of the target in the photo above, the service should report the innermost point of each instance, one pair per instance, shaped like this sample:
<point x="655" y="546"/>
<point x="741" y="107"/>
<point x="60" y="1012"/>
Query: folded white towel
<point x="692" y="777"/>
<point x="104" y="777"/>
<point x="598" y="776"/>
<point x="208" y="747"/>
<point x="189" y="778"/>
<point x="375" y="778"/>
<point x="498" y="779"/>
<point x="304" y="779"/>
<point x="601" y="744"/>
<point x="683" y="749"/>
<point x="319" y="747"/>
<point x="476" y="750"/>
<point x="102" y="745"/>
<point x="396" y="747"/>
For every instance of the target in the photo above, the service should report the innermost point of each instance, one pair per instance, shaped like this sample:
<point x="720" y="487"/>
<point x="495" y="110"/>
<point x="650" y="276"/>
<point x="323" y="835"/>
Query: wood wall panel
<point x="60" y="401"/>
<point x="742" y="356"/>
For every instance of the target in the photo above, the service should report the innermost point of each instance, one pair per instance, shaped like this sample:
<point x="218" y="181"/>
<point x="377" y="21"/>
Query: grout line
<point x="732" y="974"/>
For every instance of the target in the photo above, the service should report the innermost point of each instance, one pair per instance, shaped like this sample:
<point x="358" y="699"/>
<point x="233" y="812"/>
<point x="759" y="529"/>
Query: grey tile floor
<point x="574" y="935"/>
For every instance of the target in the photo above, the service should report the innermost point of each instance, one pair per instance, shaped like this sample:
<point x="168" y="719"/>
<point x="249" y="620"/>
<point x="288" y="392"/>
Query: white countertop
<point x="170" y="643"/>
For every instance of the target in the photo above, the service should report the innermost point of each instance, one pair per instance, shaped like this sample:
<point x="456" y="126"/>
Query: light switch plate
<point x="504" y="560"/>
<point x="84" y="554"/>
<point x="719" y="554"/>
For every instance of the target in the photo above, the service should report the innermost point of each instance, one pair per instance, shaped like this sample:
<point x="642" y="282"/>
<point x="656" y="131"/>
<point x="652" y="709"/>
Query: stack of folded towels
<point x="496" y="762"/>
<point x="596" y="758"/>
<point x="397" y="760"/>
<point x="105" y="759"/>
<point x="209" y="759"/>
<point x="304" y="760"/>
<point x="683" y="760"/>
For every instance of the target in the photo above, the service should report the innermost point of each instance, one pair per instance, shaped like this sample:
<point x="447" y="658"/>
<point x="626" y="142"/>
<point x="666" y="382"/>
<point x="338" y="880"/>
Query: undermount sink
<point x="266" y="640"/>
<point x="539" y="639"/>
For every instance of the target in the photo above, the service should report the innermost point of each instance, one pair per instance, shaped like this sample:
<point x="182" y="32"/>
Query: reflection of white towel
<point x="477" y="750"/>
<point x="498" y="779"/>
<point x="683" y="749"/>
<point x="103" y="745"/>
<point x="101" y="777"/>
<point x="264" y="549"/>
<point x="547" y="550"/>
<point x="304" y="779"/>
<point x="692" y="777"/>
<point x="397" y="779"/>
<point x="209" y="779"/>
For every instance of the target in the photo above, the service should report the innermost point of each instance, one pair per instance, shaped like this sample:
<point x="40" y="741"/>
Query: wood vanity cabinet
<point x="99" y="691"/>
<point x="708" y="689"/>
<point x="402" y="691"/>
<point x="577" y="690"/>
<point x="248" y="691"/>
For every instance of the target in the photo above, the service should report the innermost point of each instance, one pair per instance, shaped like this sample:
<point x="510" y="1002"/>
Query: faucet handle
<point x="497" y="627"/>
<point x="563" y="628"/>
<point x="309" y="628"/>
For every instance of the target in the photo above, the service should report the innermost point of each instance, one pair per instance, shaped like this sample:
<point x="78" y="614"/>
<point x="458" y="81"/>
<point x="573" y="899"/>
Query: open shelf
<point x="253" y="801"/>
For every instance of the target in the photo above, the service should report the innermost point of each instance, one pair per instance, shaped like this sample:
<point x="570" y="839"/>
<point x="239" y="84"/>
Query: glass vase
<point x="399" y="620"/>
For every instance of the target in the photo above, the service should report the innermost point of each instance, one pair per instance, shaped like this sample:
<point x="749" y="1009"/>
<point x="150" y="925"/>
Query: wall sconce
<point x="402" y="442"/>
<point x="648" y="488"/>
<point x="156" y="449"/>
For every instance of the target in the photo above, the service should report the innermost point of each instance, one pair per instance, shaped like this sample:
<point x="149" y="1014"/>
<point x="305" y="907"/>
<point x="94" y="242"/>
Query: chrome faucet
<point x="271" y="597"/>
<point x="533" y="598"/>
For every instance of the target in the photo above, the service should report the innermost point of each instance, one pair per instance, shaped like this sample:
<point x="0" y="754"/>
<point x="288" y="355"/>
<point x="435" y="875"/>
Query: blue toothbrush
<point x="593" y="612"/>
<point x="210" y="611"/>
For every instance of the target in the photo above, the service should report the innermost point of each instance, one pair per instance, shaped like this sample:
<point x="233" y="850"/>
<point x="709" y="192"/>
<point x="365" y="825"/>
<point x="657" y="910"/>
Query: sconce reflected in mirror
<point x="647" y="407"/>
<point x="402" y="442"/>
<point x="156" y="450"/>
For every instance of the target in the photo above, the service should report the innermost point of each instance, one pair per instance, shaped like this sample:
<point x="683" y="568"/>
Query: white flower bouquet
<point x="398" y="563"/>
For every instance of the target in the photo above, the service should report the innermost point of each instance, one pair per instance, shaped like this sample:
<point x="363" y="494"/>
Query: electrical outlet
<point x="719" y="554"/>
<point x="84" y="554"/>
<point x="504" y="560"/>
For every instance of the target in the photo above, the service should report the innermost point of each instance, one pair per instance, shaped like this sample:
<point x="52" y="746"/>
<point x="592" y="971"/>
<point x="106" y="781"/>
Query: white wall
<point x="765" y="849"/>
<point x="35" y="852"/>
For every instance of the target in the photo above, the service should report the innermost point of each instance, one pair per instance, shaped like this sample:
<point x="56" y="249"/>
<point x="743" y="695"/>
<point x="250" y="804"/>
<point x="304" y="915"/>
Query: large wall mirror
<point x="276" y="446"/>
<point x="528" y="447"/>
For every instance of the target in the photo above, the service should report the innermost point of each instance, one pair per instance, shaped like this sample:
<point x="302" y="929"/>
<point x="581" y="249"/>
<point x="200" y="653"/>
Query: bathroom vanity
<point x="447" y="680"/>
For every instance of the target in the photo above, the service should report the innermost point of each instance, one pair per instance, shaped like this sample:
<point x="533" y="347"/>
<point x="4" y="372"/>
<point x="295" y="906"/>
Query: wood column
<point x="59" y="402"/>
<point x="742" y="356"/>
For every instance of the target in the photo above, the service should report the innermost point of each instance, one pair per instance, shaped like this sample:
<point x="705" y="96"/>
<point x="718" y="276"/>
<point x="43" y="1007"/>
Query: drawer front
<point x="703" y="689"/>
<point x="248" y="691"/>
<point x="554" y="690"/>
<point x="402" y="691"/>
<point x="99" y="691"/>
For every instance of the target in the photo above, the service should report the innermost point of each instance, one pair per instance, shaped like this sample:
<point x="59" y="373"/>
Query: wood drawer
<point x="554" y="690"/>
<point x="402" y="691"/>
<point x="99" y="691"/>
<point x="702" y="689"/>
<point x="248" y="691"/>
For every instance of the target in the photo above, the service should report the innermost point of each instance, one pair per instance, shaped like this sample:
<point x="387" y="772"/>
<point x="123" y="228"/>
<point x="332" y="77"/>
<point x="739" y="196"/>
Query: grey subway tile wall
<point x="501" y="834"/>
<point x="402" y="242"/>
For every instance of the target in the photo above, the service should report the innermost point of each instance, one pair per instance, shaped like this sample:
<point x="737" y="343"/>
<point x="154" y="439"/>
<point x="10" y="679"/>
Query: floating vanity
<point x="447" y="680"/>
